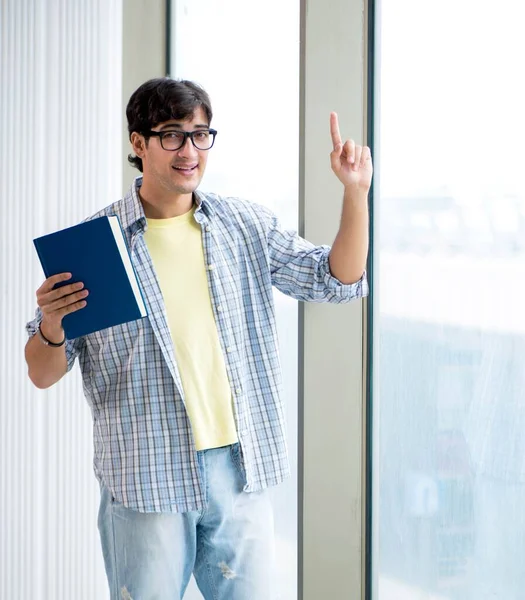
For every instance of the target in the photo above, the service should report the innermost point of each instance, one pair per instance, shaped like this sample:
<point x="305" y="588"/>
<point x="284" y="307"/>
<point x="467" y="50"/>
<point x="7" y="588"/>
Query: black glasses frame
<point x="186" y="134"/>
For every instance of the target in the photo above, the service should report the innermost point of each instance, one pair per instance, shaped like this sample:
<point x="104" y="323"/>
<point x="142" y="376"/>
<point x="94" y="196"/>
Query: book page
<point x="123" y="249"/>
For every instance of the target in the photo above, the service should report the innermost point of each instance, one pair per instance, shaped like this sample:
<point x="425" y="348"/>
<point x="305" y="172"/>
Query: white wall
<point x="60" y="149"/>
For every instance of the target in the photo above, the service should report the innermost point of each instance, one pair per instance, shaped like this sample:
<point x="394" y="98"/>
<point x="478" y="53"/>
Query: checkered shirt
<point x="143" y="442"/>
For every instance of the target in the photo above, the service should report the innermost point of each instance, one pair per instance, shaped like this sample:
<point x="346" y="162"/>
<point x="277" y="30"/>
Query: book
<point x="94" y="252"/>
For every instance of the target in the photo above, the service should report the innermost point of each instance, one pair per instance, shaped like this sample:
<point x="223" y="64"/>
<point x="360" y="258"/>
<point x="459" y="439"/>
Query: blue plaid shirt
<point x="144" y="447"/>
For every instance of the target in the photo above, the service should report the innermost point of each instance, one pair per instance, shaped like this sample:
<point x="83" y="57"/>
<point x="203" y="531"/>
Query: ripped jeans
<point x="228" y="546"/>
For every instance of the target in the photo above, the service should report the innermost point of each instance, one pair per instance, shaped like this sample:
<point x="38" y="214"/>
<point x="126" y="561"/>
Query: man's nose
<point x="188" y="150"/>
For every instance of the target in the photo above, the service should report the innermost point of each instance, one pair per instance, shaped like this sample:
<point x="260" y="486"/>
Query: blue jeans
<point x="229" y="546"/>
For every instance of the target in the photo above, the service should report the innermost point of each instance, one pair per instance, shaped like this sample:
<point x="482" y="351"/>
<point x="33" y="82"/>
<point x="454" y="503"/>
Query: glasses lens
<point x="203" y="140"/>
<point x="172" y="140"/>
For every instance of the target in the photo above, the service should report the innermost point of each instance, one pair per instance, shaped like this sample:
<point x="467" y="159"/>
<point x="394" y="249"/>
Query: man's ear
<point x="138" y="143"/>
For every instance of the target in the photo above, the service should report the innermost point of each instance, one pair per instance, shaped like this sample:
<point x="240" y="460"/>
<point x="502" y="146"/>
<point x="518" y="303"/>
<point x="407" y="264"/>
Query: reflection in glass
<point x="449" y="416"/>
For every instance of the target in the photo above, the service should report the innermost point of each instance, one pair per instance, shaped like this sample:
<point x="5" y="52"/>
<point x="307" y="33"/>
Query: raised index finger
<point x="334" y="130"/>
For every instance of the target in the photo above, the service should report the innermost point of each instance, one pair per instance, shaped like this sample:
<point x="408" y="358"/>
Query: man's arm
<point x="352" y="165"/>
<point x="48" y="364"/>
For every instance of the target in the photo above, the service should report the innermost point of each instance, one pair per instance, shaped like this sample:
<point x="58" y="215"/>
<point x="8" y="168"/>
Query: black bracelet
<point x="48" y="342"/>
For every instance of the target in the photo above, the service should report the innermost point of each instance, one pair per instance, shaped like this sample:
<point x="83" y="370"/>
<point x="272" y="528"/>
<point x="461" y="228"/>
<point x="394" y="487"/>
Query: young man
<point x="187" y="407"/>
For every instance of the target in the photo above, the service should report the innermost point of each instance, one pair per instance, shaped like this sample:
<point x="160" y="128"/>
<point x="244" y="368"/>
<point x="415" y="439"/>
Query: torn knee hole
<point x="125" y="594"/>
<point x="227" y="573"/>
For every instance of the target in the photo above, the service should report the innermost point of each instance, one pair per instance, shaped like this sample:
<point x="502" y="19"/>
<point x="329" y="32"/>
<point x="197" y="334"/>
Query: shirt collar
<point x="132" y="215"/>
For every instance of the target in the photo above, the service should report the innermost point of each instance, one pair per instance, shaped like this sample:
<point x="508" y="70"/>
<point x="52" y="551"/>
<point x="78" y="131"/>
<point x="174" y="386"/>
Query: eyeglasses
<point x="202" y="139"/>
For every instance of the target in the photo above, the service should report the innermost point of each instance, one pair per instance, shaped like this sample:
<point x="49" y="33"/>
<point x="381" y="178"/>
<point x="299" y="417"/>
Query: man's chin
<point x="187" y="187"/>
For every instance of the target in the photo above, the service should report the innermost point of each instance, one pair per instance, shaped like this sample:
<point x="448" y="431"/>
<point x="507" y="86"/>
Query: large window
<point x="252" y="76"/>
<point x="448" y="391"/>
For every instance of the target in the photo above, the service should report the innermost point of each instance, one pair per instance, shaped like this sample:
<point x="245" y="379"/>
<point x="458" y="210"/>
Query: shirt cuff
<point x="71" y="351"/>
<point x="344" y="291"/>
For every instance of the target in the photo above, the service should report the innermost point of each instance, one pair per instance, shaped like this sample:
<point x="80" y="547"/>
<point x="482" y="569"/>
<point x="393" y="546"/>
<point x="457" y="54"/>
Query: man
<point x="187" y="408"/>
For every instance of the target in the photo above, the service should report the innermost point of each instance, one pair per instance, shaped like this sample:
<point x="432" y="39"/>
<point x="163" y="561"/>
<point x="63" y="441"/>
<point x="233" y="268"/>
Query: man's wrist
<point x="357" y="196"/>
<point x="52" y="335"/>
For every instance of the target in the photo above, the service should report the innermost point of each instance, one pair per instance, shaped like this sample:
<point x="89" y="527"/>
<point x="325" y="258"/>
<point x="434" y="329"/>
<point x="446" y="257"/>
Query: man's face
<point x="173" y="171"/>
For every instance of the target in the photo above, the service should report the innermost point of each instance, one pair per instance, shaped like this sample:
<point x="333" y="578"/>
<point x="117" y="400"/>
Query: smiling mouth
<point x="185" y="170"/>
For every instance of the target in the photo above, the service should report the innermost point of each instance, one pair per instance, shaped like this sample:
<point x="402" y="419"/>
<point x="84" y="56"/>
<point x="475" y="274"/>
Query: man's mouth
<point x="185" y="169"/>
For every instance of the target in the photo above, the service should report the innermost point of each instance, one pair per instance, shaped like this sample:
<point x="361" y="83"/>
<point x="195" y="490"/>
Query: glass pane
<point x="253" y="81"/>
<point x="449" y="403"/>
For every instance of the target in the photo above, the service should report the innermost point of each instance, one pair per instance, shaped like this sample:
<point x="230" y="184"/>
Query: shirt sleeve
<point x="73" y="347"/>
<point x="301" y="270"/>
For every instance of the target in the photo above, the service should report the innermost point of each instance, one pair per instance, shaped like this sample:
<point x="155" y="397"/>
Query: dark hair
<point x="162" y="99"/>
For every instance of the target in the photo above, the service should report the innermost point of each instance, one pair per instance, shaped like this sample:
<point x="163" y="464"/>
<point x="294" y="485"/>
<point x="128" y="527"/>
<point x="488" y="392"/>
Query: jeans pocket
<point x="237" y="459"/>
<point x="113" y="502"/>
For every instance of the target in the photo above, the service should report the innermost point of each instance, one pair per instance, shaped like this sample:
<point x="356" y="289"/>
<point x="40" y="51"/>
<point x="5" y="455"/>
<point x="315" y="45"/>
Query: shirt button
<point x="238" y="391"/>
<point x="211" y="267"/>
<point x="219" y="308"/>
<point x="208" y="228"/>
<point x="229" y="349"/>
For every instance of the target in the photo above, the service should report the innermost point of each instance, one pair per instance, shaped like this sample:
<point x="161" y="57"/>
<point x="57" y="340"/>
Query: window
<point x="449" y="334"/>
<point x="252" y="76"/>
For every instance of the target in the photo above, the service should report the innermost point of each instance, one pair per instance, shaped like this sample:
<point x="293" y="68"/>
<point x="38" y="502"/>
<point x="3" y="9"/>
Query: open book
<point x="94" y="252"/>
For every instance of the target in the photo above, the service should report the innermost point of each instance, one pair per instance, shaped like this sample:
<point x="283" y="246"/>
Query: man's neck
<point x="164" y="206"/>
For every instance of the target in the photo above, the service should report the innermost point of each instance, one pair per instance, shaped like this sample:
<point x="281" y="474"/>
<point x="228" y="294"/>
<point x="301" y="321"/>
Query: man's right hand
<point x="56" y="303"/>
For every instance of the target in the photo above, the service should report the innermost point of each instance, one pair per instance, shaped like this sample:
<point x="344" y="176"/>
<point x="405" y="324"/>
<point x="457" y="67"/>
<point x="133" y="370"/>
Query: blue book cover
<point x="94" y="252"/>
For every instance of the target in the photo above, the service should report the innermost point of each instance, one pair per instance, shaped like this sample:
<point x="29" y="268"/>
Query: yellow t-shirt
<point x="175" y="246"/>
